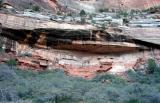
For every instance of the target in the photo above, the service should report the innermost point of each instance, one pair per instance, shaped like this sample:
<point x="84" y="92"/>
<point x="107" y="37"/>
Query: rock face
<point x="81" y="50"/>
<point x="22" y="22"/>
<point x="73" y="37"/>
<point x="81" y="64"/>
<point x="87" y="5"/>
<point x="131" y="4"/>
<point x="26" y="4"/>
<point x="48" y="4"/>
<point x="93" y="5"/>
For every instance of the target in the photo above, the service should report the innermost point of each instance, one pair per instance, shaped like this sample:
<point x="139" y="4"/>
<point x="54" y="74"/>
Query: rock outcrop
<point x="94" y="5"/>
<point x="48" y="5"/>
<point x="131" y="4"/>
<point x="81" y="50"/>
<point x="64" y="36"/>
<point x="87" y="5"/>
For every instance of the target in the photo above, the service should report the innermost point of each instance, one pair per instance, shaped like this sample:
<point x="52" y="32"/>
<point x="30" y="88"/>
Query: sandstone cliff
<point x="81" y="49"/>
<point x="94" y="5"/>
<point x="87" y="5"/>
<point x="47" y="5"/>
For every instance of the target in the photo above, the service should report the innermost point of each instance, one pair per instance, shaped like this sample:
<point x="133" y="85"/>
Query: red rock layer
<point x="47" y="4"/>
<point x="80" y="64"/>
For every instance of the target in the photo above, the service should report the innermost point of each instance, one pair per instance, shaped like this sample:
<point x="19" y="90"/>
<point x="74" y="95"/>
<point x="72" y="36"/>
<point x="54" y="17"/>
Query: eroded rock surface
<point x="81" y="64"/>
<point x="81" y="50"/>
<point x="93" y="5"/>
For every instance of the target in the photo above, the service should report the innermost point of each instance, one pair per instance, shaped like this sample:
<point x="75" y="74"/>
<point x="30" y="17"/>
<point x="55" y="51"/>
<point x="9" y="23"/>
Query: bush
<point x="59" y="13"/>
<point x="56" y="87"/>
<point x="104" y="10"/>
<point x="138" y="77"/>
<point x="12" y="62"/>
<point x="109" y="78"/>
<point x="1" y="1"/>
<point x="122" y="14"/>
<point x="141" y="93"/>
<point x="8" y="79"/>
<point x="82" y="87"/>
<point x="36" y="8"/>
<point x="103" y="27"/>
<point x="6" y="74"/>
<point x="152" y="9"/>
<point x="83" y="20"/>
<point x="151" y="66"/>
<point x="1" y="39"/>
<point x="53" y="96"/>
<point x="8" y="94"/>
<point x="103" y="94"/>
<point x="82" y="13"/>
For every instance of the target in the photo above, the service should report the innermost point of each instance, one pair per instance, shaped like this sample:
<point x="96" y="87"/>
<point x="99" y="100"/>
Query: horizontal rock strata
<point x="81" y="50"/>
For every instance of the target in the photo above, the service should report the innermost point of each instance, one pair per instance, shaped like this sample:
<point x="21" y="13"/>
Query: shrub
<point x="152" y="9"/>
<point x="8" y="79"/>
<point x="82" y="87"/>
<point x="59" y="13"/>
<point x="109" y="78"/>
<point x="46" y="98"/>
<point x="104" y="10"/>
<point x="8" y="94"/>
<point x="103" y="94"/>
<point x="6" y="74"/>
<point x="1" y="39"/>
<point x="139" y="77"/>
<point x="36" y="8"/>
<point x="152" y="97"/>
<point x="151" y="66"/>
<point x="12" y="62"/>
<point x="83" y="20"/>
<point x="140" y="93"/>
<point x="103" y="27"/>
<point x="122" y="14"/>
<point x="56" y="87"/>
<point x="82" y="13"/>
<point x="53" y="96"/>
<point x="0" y="1"/>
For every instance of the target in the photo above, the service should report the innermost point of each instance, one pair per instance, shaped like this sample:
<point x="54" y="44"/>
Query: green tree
<point x="122" y="14"/>
<point x="151" y="66"/>
<point x="82" y="13"/>
<point x="83" y="20"/>
<point x="59" y="13"/>
<point x="12" y="63"/>
<point x="36" y="8"/>
<point x="1" y="1"/>
<point x="104" y="10"/>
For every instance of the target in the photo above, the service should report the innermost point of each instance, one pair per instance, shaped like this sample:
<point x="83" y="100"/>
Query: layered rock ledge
<point x="81" y="50"/>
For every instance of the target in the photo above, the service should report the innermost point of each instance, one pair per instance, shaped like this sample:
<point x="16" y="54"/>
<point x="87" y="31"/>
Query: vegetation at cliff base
<point x="17" y="86"/>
